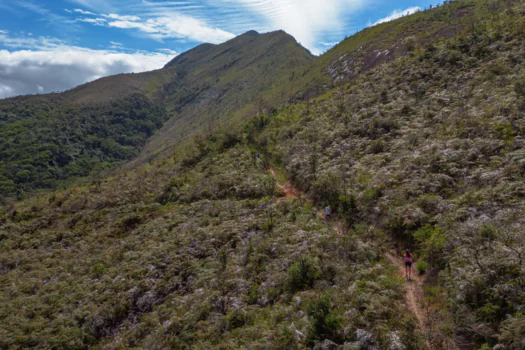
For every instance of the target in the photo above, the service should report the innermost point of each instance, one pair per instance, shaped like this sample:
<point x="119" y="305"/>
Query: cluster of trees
<point x="43" y="142"/>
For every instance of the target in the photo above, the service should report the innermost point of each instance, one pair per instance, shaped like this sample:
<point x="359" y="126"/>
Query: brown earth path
<point x="288" y="188"/>
<point x="290" y="191"/>
<point x="414" y="292"/>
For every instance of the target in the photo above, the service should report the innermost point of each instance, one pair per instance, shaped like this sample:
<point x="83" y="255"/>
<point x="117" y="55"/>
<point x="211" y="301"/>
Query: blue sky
<point x="55" y="45"/>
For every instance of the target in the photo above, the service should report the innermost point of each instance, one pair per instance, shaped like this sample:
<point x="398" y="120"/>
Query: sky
<point x="54" y="45"/>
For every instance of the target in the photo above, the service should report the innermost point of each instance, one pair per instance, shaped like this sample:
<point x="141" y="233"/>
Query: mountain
<point x="48" y="139"/>
<point x="227" y="83"/>
<point x="212" y="246"/>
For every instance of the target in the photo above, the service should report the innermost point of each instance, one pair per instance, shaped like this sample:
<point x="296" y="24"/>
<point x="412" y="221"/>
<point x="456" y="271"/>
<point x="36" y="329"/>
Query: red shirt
<point x="408" y="258"/>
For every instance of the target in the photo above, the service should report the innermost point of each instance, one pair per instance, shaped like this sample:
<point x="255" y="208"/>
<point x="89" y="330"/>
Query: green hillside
<point x="44" y="142"/>
<point x="212" y="247"/>
<point x="48" y="139"/>
<point x="225" y="84"/>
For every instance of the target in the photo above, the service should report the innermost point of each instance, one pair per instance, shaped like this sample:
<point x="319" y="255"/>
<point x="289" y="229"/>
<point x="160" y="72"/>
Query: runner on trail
<point x="408" y="264"/>
<point x="327" y="212"/>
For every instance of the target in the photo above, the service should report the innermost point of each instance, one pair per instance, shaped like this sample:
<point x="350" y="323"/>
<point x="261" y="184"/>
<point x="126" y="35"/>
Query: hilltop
<point x="209" y="246"/>
<point x="48" y="139"/>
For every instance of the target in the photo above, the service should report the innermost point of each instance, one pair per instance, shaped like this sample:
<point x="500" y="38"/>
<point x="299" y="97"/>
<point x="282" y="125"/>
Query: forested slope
<point x="49" y="139"/>
<point x="201" y="250"/>
<point x="44" y="142"/>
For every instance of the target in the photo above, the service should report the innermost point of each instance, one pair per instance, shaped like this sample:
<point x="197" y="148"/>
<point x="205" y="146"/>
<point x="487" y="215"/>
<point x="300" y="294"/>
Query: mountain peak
<point x="189" y="55"/>
<point x="252" y="38"/>
<point x="252" y="33"/>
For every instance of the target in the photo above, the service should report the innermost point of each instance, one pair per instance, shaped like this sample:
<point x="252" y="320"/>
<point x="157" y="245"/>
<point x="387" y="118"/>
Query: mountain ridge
<point x="187" y="91"/>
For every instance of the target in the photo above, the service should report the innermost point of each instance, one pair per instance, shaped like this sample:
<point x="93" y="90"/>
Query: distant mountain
<point x="218" y="84"/>
<point x="208" y="87"/>
<point x="51" y="138"/>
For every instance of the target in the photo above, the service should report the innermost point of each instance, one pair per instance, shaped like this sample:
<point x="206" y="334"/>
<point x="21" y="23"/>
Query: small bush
<point x="268" y="225"/>
<point x="432" y="241"/>
<point x="421" y="267"/>
<point x="302" y="274"/>
<point x="410" y="43"/>
<point x="377" y="147"/>
<point x="97" y="270"/>
<point x="519" y="87"/>
<point x="505" y="132"/>
<point x="324" y="323"/>
<point x="236" y="319"/>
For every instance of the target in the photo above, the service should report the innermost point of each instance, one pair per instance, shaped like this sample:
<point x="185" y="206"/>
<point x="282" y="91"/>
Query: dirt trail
<point x="413" y="289"/>
<point x="288" y="188"/>
<point x="290" y="191"/>
<point x="414" y="292"/>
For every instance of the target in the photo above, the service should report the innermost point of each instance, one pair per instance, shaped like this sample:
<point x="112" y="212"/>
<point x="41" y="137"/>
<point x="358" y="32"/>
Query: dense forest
<point x="44" y="142"/>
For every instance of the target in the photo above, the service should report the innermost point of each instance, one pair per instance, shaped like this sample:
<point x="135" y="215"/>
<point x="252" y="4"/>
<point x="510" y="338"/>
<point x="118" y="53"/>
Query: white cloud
<point x="41" y="43"/>
<point x="59" y="67"/>
<point x="94" y="21"/>
<point x="328" y="44"/>
<point x="168" y="51"/>
<point x="122" y="18"/>
<point x="5" y="90"/>
<point x="172" y="26"/>
<point x="84" y="12"/>
<point x="147" y="28"/>
<point x="95" y="5"/>
<point x="306" y="20"/>
<point x="398" y="14"/>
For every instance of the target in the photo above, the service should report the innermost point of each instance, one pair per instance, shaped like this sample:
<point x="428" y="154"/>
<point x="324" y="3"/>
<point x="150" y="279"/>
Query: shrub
<point x="327" y="189"/>
<point x="377" y="147"/>
<point x="236" y="319"/>
<point x="519" y="87"/>
<point x="421" y="267"/>
<point x="348" y="208"/>
<point x="302" y="274"/>
<point x="505" y="132"/>
<point x="432" y="241"/>
<point x="269" y="225"/>
<point x="324" y="323"/>
<point x="410" y="42"/>
<point x="97" y="270"/>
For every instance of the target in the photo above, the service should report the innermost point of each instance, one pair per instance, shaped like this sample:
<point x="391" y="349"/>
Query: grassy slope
<point x="44" y="142"/>
<point x="199" y="86"/>
<point x="224" y="84"/>
<point x="216" y="85"/>
<point x="218" y="263"/>
<point x="190" y="250"/>
<point x="431" y="148"/>
<point x="379" y="44"/>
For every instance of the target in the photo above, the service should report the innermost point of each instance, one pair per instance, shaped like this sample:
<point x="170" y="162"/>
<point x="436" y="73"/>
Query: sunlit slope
<point x="226" y="83"/>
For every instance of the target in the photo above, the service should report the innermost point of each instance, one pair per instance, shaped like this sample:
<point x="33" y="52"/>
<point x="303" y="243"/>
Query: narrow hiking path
<point x="414" y="291"/>
<point x="289" y="190"/>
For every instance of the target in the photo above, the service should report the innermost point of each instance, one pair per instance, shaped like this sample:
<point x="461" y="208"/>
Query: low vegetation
<point x="202" y="250"/>
<point x="108" y="265"/>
